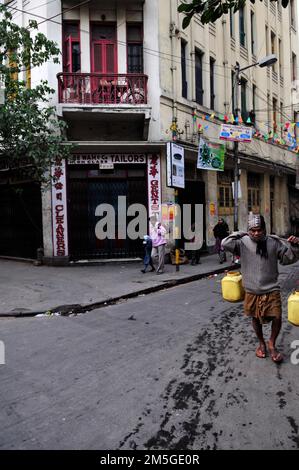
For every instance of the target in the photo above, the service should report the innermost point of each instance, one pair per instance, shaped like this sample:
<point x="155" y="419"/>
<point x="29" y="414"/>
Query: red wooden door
<point x="103" y="59"/>
<point x="103" y="48"/>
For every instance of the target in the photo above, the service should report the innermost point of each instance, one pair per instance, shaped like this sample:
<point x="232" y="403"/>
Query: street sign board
<point x="106" y="166"/>
<point x="210" y="156"/>
<point x="175" y="166"/>
<point x="235" y="133"/>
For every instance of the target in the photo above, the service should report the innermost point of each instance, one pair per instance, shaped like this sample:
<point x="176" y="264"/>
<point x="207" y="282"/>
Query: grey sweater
<point x="260" y="275"/>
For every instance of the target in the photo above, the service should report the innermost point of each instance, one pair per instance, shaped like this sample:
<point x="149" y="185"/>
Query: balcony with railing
<point x="118" y="101"/>
<point x="102" y="89"/>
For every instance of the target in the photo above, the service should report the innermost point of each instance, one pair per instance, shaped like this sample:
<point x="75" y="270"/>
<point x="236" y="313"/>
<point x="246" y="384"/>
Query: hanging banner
<point x="175" y="166"/>
<point x="210" y="156"/>
<point x="154" y="186"/>
<point x="59" y="209"/>
<point x="235" y="133"/>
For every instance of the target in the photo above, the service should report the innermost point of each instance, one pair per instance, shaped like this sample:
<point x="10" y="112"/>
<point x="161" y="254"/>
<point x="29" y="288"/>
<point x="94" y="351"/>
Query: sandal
<point x="261" y="351"/>
<point x="276" y="356"/>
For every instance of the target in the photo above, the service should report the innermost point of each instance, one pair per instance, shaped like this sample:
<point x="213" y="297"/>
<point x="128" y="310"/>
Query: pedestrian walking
<point x="221" y="231"/>
<point x="147" y="261"/>
<point x="260" y="254"/>
<point x="159" y="243"/>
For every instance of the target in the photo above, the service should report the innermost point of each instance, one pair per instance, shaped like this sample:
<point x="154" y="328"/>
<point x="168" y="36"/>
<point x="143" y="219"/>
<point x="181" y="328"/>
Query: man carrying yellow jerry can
<point x="260" y="254"/>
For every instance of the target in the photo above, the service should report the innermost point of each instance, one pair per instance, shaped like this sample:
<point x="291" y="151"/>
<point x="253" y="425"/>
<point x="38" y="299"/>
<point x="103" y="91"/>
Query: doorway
<point x="193" y="193"/>
<point x="21" y="231"/>
<point x="87" y="189"/>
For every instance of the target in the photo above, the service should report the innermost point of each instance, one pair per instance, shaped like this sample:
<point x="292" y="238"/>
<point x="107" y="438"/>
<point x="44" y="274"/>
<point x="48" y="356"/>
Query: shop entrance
<point x="21" y="220"/>
<point x="87" y="189"/>
<point x="294" y="210"/>
<point x="193" y="193"/>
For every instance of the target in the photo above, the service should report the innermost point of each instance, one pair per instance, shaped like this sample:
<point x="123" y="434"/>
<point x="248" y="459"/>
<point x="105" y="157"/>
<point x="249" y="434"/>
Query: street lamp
<point x="264" y="62"/>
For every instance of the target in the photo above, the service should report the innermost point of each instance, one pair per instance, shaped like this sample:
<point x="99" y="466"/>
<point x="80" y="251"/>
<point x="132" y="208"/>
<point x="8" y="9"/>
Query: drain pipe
<point x="226" y="103"/>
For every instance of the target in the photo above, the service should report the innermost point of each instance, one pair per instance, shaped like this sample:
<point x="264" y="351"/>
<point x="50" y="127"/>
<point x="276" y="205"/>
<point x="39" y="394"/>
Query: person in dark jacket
<point x="221" y="231"/>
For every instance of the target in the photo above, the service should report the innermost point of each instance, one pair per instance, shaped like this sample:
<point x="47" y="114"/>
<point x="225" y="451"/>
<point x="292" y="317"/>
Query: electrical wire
<point x="65" y="11"/>
<point x="159" y="53"/>
<point x="152" y="52"/>
<point x="34" y="8"/>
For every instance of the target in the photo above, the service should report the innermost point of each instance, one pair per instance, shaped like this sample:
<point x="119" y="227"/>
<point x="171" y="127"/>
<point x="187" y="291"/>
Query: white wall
<point x="152" y="63"/>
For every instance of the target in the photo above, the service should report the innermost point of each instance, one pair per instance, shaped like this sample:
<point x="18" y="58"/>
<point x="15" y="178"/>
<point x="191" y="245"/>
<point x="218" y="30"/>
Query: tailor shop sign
<point x="107" y="160"/>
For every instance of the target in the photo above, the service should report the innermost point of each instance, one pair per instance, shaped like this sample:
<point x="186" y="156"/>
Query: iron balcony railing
<point x="97" y="88"/>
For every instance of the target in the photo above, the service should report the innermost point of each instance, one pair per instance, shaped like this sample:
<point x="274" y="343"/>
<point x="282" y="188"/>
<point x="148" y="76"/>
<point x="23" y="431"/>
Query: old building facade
<point x="131" y="80"/>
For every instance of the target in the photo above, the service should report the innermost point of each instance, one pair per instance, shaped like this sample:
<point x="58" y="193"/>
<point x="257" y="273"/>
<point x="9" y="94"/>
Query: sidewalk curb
<point x="65" y="310"/>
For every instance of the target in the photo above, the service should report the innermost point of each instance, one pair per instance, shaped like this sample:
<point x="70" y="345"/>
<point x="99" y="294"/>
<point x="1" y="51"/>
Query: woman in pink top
<point x="159" y="242"/>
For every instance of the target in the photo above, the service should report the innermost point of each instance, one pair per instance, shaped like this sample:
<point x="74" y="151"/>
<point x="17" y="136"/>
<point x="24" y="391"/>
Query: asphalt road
<point x="172" y="370"/>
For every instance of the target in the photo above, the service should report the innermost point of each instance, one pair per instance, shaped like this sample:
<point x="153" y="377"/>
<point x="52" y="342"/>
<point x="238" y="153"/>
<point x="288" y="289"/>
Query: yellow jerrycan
<point x="293" y="308"/>
<point x="232" y="287"/>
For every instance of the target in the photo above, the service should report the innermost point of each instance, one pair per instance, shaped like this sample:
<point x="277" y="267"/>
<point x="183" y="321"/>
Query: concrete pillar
<point x="47" y="222"/>
<point x="122" y="39"/>
<point x="243" y="202"/>
<point x="281" y="206"/>
<point x="53" y="31"/>
<point x="265" y="199"/>
<point x="276" y="206"/>
<point x="152" y="65"/>
<point x="85" y="39"/>
<point x="285" y="227"/>
<point x="210" y="180"/>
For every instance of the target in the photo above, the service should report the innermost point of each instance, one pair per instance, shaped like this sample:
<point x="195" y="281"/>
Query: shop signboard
<point x="107" y="160"/>
<point x="210" y="156"/>
<point x="154" y="186"/>
<point x="175" y="166"/>
<point x="59" y="209"/>
<point x="235" y="133"/>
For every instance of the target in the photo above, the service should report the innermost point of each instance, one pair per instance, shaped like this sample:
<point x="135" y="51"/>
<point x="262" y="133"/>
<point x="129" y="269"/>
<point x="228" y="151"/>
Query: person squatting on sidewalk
<point x="260" y="254"/>
<point x="147" y="261"/>
<point x="159" y="242"/>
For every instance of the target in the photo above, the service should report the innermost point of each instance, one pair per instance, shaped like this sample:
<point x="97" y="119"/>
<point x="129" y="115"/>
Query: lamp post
<point x="265" y="62"/>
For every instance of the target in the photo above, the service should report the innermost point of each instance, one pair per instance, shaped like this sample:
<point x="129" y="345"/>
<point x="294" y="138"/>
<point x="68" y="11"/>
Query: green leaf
<point x="186" y="21"/>
<point x="206" y="17"/>
<point x="28" y="132"/>
<point x="185" y="7"/>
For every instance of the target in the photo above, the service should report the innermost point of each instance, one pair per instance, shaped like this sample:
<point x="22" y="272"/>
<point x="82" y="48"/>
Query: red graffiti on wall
<point x="59" y="208"/>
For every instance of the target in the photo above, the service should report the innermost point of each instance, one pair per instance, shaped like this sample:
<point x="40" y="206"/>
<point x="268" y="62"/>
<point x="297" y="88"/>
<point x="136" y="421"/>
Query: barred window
<point x="135" y="48"/>
<point x="253" y="183"/>
<point x="225" y="194"/>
